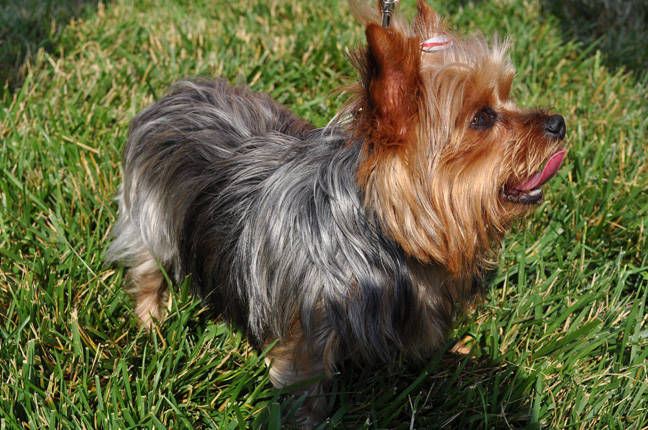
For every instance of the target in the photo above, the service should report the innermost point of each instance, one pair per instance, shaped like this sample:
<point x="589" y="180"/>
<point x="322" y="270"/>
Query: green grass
<point x="560" y="341"/>
<point x="617" y="27"/>
<point x="29" y="25"/>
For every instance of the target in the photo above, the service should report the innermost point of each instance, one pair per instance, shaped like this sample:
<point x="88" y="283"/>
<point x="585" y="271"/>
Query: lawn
<point x="559" y="341"/>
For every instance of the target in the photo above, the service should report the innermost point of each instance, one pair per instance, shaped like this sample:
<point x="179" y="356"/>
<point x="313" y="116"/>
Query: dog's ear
<point x="427" y="22"/>
<point x="393" y="84"/>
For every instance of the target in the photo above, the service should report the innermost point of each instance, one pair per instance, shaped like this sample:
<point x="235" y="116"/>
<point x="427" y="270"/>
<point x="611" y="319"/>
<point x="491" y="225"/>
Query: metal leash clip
<point x="387" y="8"/>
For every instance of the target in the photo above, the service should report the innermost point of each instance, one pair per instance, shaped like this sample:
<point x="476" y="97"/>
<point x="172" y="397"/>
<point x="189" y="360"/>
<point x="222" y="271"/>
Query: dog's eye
<point x="484" y="119"/>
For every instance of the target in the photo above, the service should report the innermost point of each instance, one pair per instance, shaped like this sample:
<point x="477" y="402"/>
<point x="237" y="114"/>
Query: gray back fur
<point x="263" y="211"/>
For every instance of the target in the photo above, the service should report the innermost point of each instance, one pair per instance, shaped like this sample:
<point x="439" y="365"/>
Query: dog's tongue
<point x="547" y="173"/>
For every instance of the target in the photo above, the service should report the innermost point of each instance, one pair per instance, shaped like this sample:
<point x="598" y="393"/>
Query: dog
<point x="357" y="240"/>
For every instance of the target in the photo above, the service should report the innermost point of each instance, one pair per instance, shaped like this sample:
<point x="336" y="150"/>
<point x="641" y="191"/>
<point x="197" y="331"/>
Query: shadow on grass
<point x="618" y="27"/>
<point x="451" y="391"/>
<point x="28" y="25"/>
<point x="457" y="392"/>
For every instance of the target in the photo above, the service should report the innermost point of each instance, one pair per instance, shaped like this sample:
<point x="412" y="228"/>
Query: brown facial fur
<point x="432" y="178"/>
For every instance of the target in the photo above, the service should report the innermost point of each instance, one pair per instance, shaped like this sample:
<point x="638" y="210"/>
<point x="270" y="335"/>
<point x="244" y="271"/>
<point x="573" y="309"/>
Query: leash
<point x="435" y="44"/>
<point x="387" y="8"/>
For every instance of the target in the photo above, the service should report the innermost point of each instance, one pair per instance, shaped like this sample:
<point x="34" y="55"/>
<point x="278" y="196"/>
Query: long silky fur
<point x="356" y="240"/>
<point x="264" y="212"/>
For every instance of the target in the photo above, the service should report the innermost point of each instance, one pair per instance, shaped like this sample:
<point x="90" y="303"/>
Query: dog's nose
<point x="555" y="126"/>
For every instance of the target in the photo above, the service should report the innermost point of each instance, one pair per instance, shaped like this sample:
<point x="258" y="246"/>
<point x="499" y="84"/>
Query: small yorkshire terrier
<point x="356" y="240"/>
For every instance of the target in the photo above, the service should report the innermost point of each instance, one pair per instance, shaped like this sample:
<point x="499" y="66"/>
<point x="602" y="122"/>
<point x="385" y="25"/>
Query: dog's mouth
<point x="529" y="191"/>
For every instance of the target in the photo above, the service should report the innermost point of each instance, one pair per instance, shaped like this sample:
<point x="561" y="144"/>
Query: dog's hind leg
<point x="292" y="362"/>
<point x="150" y="289"/>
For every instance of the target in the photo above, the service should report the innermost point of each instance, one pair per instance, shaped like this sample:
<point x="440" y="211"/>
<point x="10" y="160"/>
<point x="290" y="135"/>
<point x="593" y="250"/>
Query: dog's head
<point x="449" y="160"/>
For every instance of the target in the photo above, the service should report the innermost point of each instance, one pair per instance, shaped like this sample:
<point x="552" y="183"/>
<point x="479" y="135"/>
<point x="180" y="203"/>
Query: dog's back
<point x="173" y="144"/>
